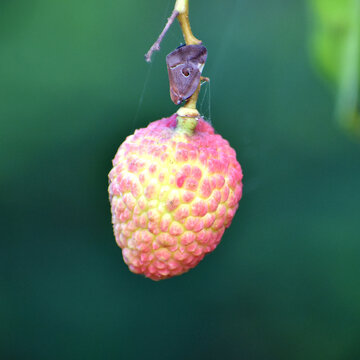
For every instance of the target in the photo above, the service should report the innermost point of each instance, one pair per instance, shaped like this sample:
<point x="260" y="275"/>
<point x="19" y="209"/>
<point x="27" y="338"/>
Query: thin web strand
<point x="147" y="77"/>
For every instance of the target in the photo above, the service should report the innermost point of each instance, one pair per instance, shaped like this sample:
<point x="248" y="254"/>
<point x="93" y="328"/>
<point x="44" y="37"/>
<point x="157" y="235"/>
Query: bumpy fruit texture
<point x="172" y="196"/>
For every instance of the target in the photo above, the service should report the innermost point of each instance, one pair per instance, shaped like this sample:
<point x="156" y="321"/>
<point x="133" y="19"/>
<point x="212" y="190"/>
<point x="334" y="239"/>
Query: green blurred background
<point x="283" y="283"/>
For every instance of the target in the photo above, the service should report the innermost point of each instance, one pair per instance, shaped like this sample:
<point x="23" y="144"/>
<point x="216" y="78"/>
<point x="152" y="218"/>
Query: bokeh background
<point x="283" y="283"/>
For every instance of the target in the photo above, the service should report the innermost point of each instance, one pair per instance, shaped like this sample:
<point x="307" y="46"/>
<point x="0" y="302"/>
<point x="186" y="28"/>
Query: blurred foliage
<point x="336" y="51"/>
<point x="284" y="281"/>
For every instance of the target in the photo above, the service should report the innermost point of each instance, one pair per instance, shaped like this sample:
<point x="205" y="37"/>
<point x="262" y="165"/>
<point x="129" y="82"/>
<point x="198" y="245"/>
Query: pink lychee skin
<point x="172" y="196"/>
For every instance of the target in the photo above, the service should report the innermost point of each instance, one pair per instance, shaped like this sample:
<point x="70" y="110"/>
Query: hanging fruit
<point x="175" y="185"/>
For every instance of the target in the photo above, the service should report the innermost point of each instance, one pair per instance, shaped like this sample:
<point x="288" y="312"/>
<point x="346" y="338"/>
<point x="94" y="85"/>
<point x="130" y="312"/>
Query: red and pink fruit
<point x="172" y="196"/>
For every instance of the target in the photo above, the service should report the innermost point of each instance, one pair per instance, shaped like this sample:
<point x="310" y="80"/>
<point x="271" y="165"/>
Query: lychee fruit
<point x="172" y="195"/>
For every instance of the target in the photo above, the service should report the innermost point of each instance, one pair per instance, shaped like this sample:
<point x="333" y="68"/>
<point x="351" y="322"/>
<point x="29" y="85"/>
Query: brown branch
<point x="156" y="45"/>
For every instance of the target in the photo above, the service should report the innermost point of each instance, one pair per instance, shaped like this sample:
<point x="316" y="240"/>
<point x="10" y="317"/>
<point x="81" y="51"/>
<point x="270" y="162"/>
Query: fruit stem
<point x="182" y="7"/>
<point x="187" y="114"/>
